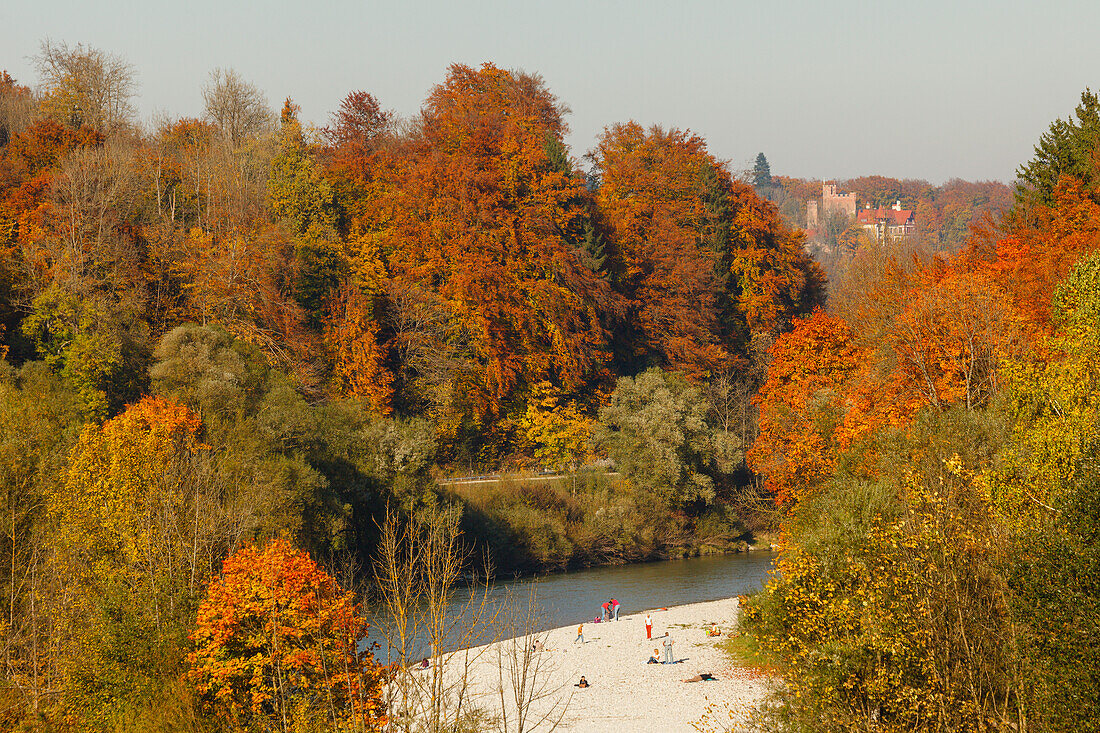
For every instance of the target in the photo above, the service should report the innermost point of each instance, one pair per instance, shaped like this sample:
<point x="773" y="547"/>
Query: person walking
<point x="580" y="634"/>
<point x="668" y="650"/>
<point x="648" y="627"/>
<point x="615" y="608"/>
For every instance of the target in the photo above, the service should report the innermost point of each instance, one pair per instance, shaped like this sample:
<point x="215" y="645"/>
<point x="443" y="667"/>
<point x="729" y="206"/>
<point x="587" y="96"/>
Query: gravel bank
<point x="626" y="694"/>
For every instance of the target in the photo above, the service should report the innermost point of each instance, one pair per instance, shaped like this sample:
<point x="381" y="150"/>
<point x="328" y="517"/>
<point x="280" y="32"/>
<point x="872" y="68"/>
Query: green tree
<point x="761" y="173"/>
<point x="97" y="344"/>
<point x="306" y="201"/>
<point x="1068" y="148"/>
<point x="655" y="430"/>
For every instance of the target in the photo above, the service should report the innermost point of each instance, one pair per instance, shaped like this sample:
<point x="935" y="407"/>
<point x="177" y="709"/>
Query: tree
<point x="801" y="404"/>
<point x="418" y="563"/>
<point x="96" y="343"/>
<point x="354" y="144"/>
<point x="651" y="193"/>
<point x="477" y="215"/>
<point x="559" y="433"/>
<point x="356" y="124"/>
<point x="761" y="173"/>
<point x="655" y="430"/>
<point x="1068" y="148"/>
<point x="278" y="643"/>
<point x="238" y="107"/>
<point x="142" y="519"/>
<point x="86" y="86"/>
<point x="37" y="426"/>
<point x="112" y="474"/>
<point x="702" y="261"/>
<point x="18" y="108"/>
<point x="951" y="338"/>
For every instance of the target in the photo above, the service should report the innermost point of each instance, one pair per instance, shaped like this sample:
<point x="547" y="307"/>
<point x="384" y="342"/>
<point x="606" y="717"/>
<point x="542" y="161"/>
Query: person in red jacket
<point x="615" y="608"/>
<point x="606" y="615"/>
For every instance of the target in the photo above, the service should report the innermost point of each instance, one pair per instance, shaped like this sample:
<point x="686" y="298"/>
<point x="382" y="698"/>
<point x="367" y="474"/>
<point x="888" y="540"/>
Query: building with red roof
<point x="894" y="222"/>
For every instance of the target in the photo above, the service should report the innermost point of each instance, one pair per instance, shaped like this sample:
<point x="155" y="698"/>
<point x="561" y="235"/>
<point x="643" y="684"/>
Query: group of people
<point x="610" y="611"/>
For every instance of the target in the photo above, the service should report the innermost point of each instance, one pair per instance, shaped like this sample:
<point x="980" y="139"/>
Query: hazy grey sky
<point x="930" y="89"/>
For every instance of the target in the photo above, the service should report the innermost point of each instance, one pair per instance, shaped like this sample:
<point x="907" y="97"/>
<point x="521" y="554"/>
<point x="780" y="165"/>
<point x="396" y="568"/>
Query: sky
<point x="935" y="89"/>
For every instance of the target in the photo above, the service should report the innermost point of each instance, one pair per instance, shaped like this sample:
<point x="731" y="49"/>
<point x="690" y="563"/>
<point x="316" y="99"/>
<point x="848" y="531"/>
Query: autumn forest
<point x="239" y="348"/>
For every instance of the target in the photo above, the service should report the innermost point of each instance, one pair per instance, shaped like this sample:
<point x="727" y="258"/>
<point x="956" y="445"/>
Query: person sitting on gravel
<point x="655" y="658"/>
<point x="537" y="645"/>
<point x="583" y="683"/>
<point x="701" y="677"/>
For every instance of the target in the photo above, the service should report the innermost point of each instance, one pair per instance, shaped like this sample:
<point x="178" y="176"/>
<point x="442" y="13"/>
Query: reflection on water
<point x="570" y="598"/>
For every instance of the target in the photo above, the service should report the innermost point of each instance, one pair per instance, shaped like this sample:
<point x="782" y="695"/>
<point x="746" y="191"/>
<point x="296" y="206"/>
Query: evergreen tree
<point x="1066" y="149"/>
<point x="594" y="247"/>
<point x="586" y="236"/>
<point x="761" y="173"/>
<point x="557" y="154"/>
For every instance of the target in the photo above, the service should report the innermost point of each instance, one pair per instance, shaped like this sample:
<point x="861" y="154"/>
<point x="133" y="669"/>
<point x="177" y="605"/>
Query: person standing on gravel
<point x="648" y="627"/>
<point x="668" y="650"/>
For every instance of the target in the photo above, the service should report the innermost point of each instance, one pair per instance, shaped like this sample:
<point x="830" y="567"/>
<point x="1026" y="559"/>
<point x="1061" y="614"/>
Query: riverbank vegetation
<point x="239" y="328"/>
<point x="932" y="443"/>
<point x="233" y="344"/>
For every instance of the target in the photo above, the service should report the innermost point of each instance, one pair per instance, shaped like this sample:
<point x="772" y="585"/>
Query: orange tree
<point x="699" y="258"/>
<point x="278" y="643"/>
<point x="477" y="216"/>
<point x="801" y="404"/>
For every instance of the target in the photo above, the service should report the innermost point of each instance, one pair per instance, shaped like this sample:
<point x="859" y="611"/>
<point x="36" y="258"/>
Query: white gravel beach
<point x="626" y="694"/>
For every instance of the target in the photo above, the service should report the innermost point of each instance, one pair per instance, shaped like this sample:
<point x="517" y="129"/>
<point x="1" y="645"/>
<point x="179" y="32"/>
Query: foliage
<point x="890" y="609"/>
<point x="93" y="344"/>
<point x="560" y="433"/>
<point x="654" y="428"/>
<point x="761" y="172"/>
<point x="702" y="261"/>
<point x="1068" y="148"/>
<point x="941" y="573"/>
<point x="801" y="405"/>
<point x="112" y="472"/>
<point x="1045" y="493"/>
<point x="278" y="644"/>
<point x="86" y="86"/>
<point x="479" y="217"/>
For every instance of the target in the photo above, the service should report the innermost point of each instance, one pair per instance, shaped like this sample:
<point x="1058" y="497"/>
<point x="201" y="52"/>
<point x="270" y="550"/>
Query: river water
<point x="562" y="599"/>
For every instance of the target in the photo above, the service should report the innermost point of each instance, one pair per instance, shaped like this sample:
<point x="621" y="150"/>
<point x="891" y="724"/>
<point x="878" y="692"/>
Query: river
<point x="569" y="598"/>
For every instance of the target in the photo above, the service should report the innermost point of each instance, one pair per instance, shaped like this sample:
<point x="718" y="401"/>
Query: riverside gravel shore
<point x="626" y="694"/>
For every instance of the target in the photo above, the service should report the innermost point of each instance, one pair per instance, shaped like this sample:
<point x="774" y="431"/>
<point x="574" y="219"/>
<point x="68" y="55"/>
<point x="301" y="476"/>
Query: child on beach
<point x="580" y="634"/>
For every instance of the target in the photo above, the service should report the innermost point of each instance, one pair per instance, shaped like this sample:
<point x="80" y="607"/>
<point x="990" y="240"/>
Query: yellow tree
<point x="114" y="479"/>
<point x="141" y="523"/>
<point x="560" y="433"/>
<point x="353" y="332"/>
